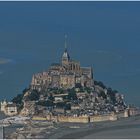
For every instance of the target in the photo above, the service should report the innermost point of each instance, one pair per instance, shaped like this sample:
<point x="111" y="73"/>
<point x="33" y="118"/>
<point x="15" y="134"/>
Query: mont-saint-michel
<point x="69" y="89"/>
<point x="84" y="85"/>
<point x="65" y="93"/>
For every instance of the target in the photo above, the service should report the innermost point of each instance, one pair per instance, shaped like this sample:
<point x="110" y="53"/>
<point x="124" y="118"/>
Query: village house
<point x="59" y="110"/>
<point x="58" y="99"/>
<point x="81" y="95"/>
<point x="3" y="105"/>
<point x="75" y="107"/>
<point x="9" y="108"/>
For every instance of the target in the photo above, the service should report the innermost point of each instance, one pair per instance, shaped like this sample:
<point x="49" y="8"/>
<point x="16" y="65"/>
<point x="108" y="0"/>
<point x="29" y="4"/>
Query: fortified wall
<point x="79" y="119"/>
<point x="83" y="119"/>
<point x="99" y="118"/>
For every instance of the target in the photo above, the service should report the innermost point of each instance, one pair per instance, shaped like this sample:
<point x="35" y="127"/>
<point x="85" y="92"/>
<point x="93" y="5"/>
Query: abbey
<point x="66" y="74"/>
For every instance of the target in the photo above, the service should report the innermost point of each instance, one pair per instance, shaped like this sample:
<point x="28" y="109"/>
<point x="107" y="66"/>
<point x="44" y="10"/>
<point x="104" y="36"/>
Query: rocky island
<point x="68" y="92"/>
<point x="65" y="93"/>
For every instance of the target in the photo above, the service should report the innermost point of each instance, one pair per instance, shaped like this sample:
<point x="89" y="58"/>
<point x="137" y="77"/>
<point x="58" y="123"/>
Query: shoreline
<point x="122" y="128"/>
<point x="99" y="130"/>
<point x="2" y="115"/>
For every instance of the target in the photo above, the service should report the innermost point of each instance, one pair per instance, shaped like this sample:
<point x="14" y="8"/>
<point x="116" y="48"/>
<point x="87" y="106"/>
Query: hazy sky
<point x="105" y="35"/>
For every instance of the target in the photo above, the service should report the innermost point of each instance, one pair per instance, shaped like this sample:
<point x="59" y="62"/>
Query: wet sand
<point x="124" y="128"/>
<point x="9" y="129"/>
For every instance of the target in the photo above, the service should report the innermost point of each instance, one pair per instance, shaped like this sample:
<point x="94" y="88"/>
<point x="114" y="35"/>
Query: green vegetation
<point x="72" y="94"/>
<point x="60" y="91"/>
<point x="33" y="96"/>
<point x="61" y="104"/>
<point x="19" y="97"/>
<point x="51" y="98"/>
<point x="67" y="107"/>
<point x="102" y="94"/>
<point x="88" y="89"/>
<point x="20" y="106"/>
<point x="49" y="103"/>
<point x="111" y="93"/>
<point x="56" y="90"/>
<point x="99" y="83"/>
<point x="42" y="103"/>
<point x="78" y="85"/>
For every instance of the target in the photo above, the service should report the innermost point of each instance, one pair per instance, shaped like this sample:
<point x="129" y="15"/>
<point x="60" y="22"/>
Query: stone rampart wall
<point x="80" y="119"/>
<point x="100" y="118"/>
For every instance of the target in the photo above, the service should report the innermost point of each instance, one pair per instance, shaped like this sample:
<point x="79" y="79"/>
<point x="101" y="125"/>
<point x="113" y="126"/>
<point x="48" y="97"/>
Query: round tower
<point x="3" y="105"/>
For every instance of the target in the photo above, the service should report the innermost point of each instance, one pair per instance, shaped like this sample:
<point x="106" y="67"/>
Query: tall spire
<point x="65" y="56"/>
<point x="65" y="41"/>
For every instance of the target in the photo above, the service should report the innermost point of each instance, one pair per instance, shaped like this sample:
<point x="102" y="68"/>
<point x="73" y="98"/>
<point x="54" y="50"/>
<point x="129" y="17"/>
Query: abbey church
<point x="66" y="74"/>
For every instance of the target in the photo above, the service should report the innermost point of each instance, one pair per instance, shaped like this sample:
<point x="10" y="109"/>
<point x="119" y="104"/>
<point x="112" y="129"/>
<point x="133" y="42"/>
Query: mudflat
<point x="123" y="128"/>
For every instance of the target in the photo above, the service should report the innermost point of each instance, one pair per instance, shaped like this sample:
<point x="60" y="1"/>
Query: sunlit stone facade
<point x="65" y="74"/>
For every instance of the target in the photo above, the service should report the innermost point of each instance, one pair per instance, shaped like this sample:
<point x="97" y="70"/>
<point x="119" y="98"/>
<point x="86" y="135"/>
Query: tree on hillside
<point x="78" y="85"/>
<point x="60" y="91"/>
<point x="111" y="94"/>
<point x="51" y="98"/>
<point x="99" y="83"/>
<point x="42" y="103"/>
<point x="102" y="94"/>
<point x="67" y="106"/>
<point x="72" y="94"/>
<point x="49" y="103"/>
<point x="18" y="99"/>
<point x="25" y="90"/>
<point x="33" y="96"/>
<point x="88" y="89"/>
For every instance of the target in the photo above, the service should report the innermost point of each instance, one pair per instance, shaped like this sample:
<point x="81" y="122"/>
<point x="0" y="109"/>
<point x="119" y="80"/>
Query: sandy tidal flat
<point x="124" y="128"/>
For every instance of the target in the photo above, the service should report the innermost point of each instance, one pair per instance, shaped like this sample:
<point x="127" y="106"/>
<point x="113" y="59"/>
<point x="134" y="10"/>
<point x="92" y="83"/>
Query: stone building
<point x="29" y="108"/>
<point x="9" y="108"/>
<point x="63" y="75"/>
<point x="3" y="105"/>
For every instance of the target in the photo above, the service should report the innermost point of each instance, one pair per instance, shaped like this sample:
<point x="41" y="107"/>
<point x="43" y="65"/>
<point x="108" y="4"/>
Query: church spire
<point x="65" y="41"/>
<point x="65" y="56"/>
